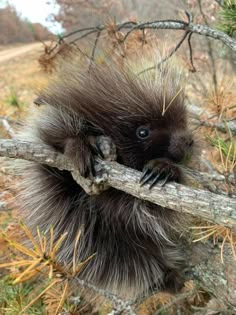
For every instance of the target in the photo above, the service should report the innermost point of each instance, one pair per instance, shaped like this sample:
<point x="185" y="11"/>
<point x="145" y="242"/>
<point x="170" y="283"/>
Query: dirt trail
<point x="11" y="53"/>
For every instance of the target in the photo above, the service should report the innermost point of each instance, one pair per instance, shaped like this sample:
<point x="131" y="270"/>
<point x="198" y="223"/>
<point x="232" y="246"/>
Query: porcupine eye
<point x="143" y="132"/>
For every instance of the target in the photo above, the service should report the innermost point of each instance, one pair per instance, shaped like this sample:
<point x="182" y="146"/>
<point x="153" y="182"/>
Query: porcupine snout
<point x="180" y="146"/>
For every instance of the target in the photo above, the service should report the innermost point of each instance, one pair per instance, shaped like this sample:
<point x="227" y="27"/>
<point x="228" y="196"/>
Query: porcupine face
<point x="160" y="132"/>
<point x="159" y="137"/>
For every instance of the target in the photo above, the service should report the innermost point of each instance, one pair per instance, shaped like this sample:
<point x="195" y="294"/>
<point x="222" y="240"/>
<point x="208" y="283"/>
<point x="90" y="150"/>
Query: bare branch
<point x="200" y="203"/>
<point x="224" y="126"/>
<point x="191" y="52"/>
<point x="221" y="126"/>
<point x="118" y="303"/>
<point x="216" y="177"/>
<point x="168" y="56"/>
<point x="94" y="48"/>
<point x="178" y="45"/>
<point x="210" y="50"/>
<point x="216" y="277"/>
<point x="190" y="27"/>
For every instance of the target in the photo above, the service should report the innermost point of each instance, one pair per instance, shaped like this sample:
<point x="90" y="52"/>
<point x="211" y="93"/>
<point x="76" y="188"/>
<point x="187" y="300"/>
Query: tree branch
<point x="216" y="277"/>
<point x="171" y="53"/>
<point x="119" y="304"/>
<point x="200" y="203"/>
<point x="190" y="27"/>
<point x="224" y="126"/>
<point x="221" y="126"/>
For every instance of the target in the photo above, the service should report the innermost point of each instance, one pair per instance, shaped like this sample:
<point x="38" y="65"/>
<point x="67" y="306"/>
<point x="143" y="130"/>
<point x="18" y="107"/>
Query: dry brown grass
<point x="23" y="75"/>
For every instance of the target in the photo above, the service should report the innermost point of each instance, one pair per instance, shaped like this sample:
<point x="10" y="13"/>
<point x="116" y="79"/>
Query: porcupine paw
<point x="82" y="153"/>
<point x="159" y="170"/>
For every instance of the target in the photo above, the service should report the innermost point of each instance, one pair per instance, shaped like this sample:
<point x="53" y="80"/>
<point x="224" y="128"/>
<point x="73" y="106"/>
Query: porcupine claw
<point x="147" y="177"/>
<point x="153" y="183"/>
<point x="91" y="167"/>
<point x="145" y="172"/>
<point x="166" y="179"/>
<point x="159" y="169"/>
<point x="97" y="151"/>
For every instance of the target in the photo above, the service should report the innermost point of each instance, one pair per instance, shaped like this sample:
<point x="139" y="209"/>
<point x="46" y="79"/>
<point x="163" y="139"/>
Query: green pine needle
<point x="227" y="18"/>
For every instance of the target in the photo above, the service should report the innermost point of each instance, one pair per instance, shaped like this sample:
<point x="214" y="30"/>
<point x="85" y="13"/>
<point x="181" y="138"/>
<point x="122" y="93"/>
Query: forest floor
<point x="20" y="77"/>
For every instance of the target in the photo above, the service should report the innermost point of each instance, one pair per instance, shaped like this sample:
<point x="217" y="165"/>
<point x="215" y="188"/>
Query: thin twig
<point x="94" y="48"/>
<point x="117" y="302"/>
<point x="189" y="16"/>
<point x="84" y="35"/>
<point x="191" y="52"/>
<point x="126" y="25"/>
<point x="81" y="30"/>
<point x="94" y="29"/>
<point x="223" y="127"/>
<point x="210" y="50"/>
<point x="168" y="56"/>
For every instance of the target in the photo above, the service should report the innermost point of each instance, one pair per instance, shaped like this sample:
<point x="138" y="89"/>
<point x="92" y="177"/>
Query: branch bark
<point x="190" y="27"/>
<point x="224" y="126"/>
<point x="215" y="277"/>
<point x="203" y="204"/>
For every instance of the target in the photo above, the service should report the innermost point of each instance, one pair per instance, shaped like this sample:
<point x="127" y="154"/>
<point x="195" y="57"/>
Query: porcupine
<point x="136" y="242"/>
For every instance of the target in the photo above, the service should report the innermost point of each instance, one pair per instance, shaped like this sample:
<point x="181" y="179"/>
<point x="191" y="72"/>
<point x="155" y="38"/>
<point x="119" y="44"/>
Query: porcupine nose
<point x="180" y="145"/>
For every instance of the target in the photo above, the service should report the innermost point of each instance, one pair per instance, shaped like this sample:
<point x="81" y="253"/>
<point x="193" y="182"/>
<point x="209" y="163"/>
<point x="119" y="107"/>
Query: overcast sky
<point x="37" y="11"/>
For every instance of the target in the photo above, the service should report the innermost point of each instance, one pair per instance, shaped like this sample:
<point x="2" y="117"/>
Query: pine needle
<point x="63" y="296"/>
<point x="217" y="232"/>
<point x="75" y="248"/>
<point x="30" y="237"/>
<point x="39" y="296"/>
<point x="27" y="270"/>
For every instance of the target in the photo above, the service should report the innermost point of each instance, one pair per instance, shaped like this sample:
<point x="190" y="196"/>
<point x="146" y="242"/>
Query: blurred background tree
<point x="15" y="29"/>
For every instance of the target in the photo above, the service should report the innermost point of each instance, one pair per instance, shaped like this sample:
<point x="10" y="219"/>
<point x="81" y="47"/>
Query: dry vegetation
<point x="44" y="286"/>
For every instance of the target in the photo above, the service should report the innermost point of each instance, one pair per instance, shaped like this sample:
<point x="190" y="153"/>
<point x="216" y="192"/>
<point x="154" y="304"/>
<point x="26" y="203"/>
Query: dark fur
<point x="135" y="241"/>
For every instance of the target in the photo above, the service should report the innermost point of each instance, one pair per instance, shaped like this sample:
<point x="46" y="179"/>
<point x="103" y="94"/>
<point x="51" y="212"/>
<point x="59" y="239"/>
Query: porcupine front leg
<point x="66" y="132"/>
<point x="82" y="150"/>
